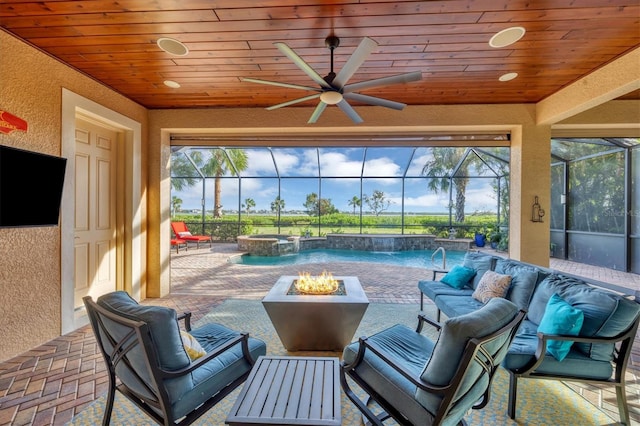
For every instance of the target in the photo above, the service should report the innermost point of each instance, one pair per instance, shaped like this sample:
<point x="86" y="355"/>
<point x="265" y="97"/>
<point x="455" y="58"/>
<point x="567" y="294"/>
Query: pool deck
<point x="51" y="383"/>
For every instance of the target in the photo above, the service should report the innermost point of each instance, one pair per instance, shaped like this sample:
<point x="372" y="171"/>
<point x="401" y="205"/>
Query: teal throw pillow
<point x="560" y="318"/>
<point x="458" y="276"/>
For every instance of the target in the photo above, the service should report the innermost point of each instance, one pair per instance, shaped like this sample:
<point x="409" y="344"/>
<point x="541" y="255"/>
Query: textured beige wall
<point x="30" y="289"/>
<point x="530" y="173"/>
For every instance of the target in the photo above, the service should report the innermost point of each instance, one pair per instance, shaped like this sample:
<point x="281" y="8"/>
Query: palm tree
<point x="249" y="203"/>
<point x="233" y="161"/>
<point x="442" y="164"/>
<point x="277" y="206"/>
<point x="185" y="170"/>
<point x="355" y="202"/>
<point x="176" y="203"/>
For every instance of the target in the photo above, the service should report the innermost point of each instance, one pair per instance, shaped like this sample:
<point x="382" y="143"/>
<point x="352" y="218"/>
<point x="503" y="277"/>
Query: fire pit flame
<point x="321" y="284"/>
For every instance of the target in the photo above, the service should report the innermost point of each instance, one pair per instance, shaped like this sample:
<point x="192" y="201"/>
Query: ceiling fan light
<point x="331" y="97"/>
<point x="507" y="36"/>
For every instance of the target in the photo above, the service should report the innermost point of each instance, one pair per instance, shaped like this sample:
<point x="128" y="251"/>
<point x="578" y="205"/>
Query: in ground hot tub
<point x="268" y="245"/>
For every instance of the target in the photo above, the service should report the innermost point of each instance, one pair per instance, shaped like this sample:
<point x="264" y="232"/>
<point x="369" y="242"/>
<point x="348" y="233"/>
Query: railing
<point x="444" y="258"/>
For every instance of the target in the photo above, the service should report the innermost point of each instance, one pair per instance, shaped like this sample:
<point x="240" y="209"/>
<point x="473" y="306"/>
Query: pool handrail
<point x="442" y="267"/>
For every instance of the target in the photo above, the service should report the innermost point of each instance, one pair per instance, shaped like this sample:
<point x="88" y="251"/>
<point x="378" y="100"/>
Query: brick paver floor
<point x="51" y="383"/>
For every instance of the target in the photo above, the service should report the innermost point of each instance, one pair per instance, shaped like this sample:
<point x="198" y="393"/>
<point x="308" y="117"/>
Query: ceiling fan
<point x="334" y="89"/>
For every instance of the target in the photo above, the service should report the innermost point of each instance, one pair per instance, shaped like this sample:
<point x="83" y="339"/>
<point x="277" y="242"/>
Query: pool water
<point x="411" y="258"/>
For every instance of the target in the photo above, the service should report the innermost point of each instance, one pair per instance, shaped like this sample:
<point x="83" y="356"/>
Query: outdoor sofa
<point x="588" y="331"/>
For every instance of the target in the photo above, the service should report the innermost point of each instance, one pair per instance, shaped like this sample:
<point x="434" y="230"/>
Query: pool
<point x="410" y="258"/>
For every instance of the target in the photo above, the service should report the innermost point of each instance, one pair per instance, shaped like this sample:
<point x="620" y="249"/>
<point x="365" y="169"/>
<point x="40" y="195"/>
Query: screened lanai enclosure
<point x="228" y="191"/>
<point x="451" y="192"/>
<point x="595" y="201"/>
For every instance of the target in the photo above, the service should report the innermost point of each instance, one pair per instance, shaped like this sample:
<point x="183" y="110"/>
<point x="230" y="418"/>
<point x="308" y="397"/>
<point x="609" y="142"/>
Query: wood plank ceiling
<point x="447" y="41"/>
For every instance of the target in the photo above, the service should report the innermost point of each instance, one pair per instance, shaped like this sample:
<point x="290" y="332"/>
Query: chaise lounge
<point x="182" y="232"/>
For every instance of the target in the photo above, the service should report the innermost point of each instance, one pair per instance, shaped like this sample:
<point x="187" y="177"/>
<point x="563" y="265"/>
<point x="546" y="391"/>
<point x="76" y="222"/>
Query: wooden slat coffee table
<point x="282" y="390"/>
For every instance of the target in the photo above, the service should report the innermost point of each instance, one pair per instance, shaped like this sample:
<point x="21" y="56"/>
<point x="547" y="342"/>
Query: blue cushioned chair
<point x="142" y="346"/>
<point x="418" y="381"/>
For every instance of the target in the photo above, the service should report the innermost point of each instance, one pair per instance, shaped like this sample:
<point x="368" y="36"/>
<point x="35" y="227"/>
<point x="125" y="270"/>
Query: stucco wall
<point x="30" y="288"/>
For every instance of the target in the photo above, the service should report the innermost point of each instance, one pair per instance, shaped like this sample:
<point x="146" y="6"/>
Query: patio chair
<point x="415" y="380"/>
<point x="182" y="233"/>
<point x="173" y="376"/>
<point x="177" y="243"/>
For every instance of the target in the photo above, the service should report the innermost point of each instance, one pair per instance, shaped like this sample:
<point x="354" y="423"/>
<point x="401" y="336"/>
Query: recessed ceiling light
<point x="508" y="76"/>
<point x="507" y="36"/>
<point x="172" y="84"/>
<point x="171" y="46"/>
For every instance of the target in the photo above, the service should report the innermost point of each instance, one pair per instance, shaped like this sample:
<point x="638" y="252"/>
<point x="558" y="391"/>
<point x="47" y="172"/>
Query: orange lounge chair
<point x="182" y="233"/>
<point x="177" y="242"/>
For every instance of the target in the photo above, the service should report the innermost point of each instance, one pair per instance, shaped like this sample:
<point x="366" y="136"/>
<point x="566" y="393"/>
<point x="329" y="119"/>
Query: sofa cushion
<point x="492" y="284"/>
<point x="162" y="322"/>
<point x="480" y="263"/>
<point x="457" y="331"/>
<point x="214" y="375"/>
<point x="433" y="289"/>
<point x="163" y="327"/>
<point x="403" y="343"/>
<point x="524" y="279"/>
<point x="458" y="277"/>
<point x="454" y="305"/>
<point x="560" y="318"/>
<point x="513" y="267"/>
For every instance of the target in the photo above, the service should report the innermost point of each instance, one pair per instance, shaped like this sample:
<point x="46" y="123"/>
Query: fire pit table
<point x="316" y="322"/>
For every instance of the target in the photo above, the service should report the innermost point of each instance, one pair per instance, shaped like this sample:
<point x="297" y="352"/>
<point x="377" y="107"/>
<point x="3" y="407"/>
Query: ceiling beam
<point x="615" y="79"/>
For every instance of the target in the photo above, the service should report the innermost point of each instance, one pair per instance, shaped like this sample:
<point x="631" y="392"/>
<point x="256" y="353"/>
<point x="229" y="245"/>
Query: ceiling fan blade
<point x="294" y="101"/>
<point x="302" y="64"/>
<point x="372" y="100"/>
<point x="384" y="81"/>
<point x="363" y="51"/>
<point x="348" y="109"/>
<point x="276" y="83"/>
<point x="316" y="113"/>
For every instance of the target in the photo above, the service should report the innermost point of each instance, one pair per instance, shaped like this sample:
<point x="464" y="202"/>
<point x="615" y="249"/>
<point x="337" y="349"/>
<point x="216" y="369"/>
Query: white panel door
<point x="95" y="210"/>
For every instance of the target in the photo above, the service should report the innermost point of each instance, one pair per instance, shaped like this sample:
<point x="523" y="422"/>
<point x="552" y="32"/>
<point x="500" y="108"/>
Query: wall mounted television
<point x="30" y="188"/>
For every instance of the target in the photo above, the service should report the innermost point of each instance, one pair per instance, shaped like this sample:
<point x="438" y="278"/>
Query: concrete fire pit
<point x="315" y="322"/>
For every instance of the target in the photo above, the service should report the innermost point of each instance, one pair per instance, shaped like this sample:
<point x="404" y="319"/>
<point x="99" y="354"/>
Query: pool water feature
<point x="410" y="258"/>
<point x="269" y="245"/>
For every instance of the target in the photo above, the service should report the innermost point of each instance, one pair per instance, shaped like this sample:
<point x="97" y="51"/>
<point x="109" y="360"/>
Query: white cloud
<point x="259" y="162"/>
<point x="418" y="162"/>
<point x="338" y="164"/>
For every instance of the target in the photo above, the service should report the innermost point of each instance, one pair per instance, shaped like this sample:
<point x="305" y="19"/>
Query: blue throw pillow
<point x="560" y="318"/>
<point x="458" y="276"/>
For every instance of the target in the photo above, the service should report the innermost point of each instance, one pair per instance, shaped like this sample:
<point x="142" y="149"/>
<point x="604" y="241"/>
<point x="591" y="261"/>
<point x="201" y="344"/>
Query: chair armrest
<point x="423" y="319"/>
<point x="541" y="350"/>
<point x="365" y="344"/>
<point x="435" y="272"/>
<point x="186" y="316"/>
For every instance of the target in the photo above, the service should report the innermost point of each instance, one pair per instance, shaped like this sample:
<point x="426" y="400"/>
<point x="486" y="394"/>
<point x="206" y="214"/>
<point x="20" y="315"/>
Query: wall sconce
<point x="537" y="213"/>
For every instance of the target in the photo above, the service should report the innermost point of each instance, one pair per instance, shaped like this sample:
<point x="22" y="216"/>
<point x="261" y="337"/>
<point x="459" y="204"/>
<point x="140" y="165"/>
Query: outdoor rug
<point x="540" y="402"/>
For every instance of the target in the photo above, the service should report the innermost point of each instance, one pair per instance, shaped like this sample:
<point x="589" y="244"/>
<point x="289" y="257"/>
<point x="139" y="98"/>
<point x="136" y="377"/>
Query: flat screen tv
<point x="30" y="188"/>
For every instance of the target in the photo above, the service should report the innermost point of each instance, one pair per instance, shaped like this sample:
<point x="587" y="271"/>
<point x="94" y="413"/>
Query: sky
<point x="381" y="169"/>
